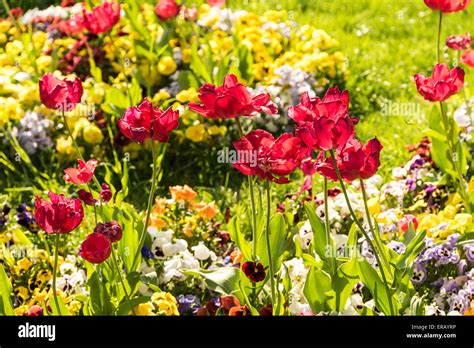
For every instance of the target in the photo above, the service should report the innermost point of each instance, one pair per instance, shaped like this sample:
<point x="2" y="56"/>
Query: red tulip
<point x="261" y="155"/>
<point x="323" y="124"/>
<point x="447" y="6"/>
<point x="468" y="58"/>
<point x="167" y="9"/>
<point x="459" y="42"/>
<point x="110" y="229"/>
<point x="354" y="161"/>
<point x="102" y="18"/>
<point x="62" y="95"/>
<point x="218" y="3"/>
<point x="74" y="25"/>
<point x="147" y="122"/>
<point x="404" y="222"/>
<point x="230" y="100"/>
<point x="96" y="248"/>
<point x="254" y="271"/>
<point x="442" y="84"/>
<point x="60" y="215"/>
<point x="81" y="175"/>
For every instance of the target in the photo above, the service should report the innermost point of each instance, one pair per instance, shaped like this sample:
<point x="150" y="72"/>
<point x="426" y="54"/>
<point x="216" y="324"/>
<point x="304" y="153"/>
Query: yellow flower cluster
<point x="309" y="48"/>
<point x="445" y="223"/>
<point x="161" y="303"/>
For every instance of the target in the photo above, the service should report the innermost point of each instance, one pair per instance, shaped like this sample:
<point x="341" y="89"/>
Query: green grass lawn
<point x="386" y="43"/>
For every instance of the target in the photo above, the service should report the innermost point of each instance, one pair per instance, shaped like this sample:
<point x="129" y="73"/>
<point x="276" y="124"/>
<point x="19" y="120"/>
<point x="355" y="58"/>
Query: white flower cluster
<point x="50" y="12"/>
<point x="71" y="280"/>
<point x="464" y="117"/>
<point x="297" y="271"/>
<point x="175" y="255"/>
<point x="33" y="133"/>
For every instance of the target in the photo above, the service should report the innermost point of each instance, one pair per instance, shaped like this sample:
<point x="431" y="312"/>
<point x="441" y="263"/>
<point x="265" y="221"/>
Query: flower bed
<point x="163" y="159"/>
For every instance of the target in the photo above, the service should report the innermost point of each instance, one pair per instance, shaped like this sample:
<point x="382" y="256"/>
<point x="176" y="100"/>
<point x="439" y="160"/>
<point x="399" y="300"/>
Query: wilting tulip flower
<point x="442" y="84"/>
<point x="323" y="124"/>
<point x="102" y="18"/>
<point x="254" y="271"/>
<point x="86" y="197"/>
<point x="230" y="100"/>
<point x="110" y="229"/>
<point x="60" y="94"/>
<point x="96" y="248"/>
<point x="459" y="42"/>
<point x="355" y="161"/>
<point x="258" y="153"/>
<point x="468" y="58"/>
<point x="167" y="9"/>
<point x="83" y="174"/>
<point x="147" y="122"/>
<point x="404" y="222"/>
<point x="60" y="215"/>
<point x="106" y="193"/>
<point x="447" y="6"/>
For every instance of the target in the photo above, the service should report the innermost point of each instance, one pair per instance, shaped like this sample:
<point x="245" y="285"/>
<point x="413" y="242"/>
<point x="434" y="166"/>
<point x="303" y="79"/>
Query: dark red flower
<point x="447" y="6"/>
<point x="404" y="222"/>
<point x="323" y="124"/>
<point x="60" y="215"/>
<point x="102" y="18"/>
<point x="147" y="122"/>
<point x="86" y="197"/>
<point x="96" y="248"/>
<point x="468" y="58"/>
<point x="230" y="100"/>
<point x="106" y="193"/>
<point x="254" y="271"/>
<point x="57" y="94"/>
<point x="266" y="311"/>
<point x="442" y="84"/>
<point x="167" y="9"/>
<point x="258" y="153"/>
<point x="35" y="311"/>
<point x="83" y="174"/>
<point x="354" y="161"/>
<point x="110" y="229"/>
<point x="459" y="42"/>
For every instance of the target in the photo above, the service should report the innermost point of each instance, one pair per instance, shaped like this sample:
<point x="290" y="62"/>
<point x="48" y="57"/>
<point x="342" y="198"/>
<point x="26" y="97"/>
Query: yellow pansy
<point x="64" y="146"/>
<point x="144" y="309"/>
<point x="160" y="96"/>
<point x="23" y="265"/>
<point x="164" y="303"/>
<point x="186" y="55"/>
<point x="187" y="95"/>
<point x="166" y="65"/>
<point x="196" y="133"/>
<point x="460" y="222"/>
<point x="374" y="206"/>
<point x="92" y="134"/>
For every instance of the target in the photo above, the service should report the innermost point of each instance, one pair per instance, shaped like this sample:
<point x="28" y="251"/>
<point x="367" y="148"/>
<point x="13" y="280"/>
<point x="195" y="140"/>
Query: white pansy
<point x="201" y="252"/>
